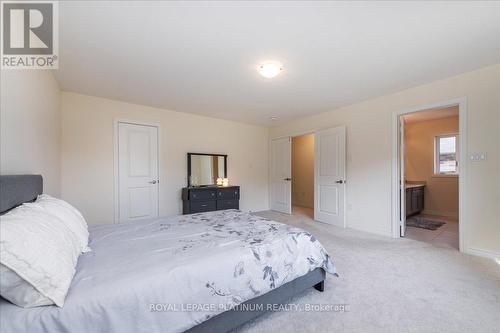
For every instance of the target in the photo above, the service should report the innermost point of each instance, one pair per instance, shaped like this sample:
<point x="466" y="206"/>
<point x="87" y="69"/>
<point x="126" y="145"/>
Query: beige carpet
<point x="392" y="285"/>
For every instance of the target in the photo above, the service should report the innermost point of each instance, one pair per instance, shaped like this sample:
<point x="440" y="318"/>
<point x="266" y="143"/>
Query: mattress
<point x="170" y="274"/>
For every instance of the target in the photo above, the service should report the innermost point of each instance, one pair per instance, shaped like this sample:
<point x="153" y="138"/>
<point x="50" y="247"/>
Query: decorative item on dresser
<point x="209" y="198"/>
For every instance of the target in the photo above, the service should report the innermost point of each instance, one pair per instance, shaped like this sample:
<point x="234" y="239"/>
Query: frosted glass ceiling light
<point x="270" y="69"/>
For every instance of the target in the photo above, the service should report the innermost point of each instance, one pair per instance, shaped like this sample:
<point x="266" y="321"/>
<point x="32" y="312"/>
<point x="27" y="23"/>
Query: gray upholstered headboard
<point x="18" y="189"/>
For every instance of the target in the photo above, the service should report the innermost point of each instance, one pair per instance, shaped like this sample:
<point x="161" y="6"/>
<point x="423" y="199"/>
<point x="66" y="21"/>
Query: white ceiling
<point x="201" y="57"/>
<point x="416" y="117"/>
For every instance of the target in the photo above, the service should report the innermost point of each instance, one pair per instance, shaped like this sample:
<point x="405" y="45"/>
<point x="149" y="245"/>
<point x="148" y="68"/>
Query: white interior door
<point x="329" y="176"/>
<point x="281" y="173"/>
<point x="402" y="182"/>
<point x="137" y="171"/>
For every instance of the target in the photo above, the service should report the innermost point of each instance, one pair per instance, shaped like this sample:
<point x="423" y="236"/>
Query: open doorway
<point x="398" y="167"/>
<point x="303" y="175"/>
<point x="322" y="151"/>
<point x="431" y="175"/>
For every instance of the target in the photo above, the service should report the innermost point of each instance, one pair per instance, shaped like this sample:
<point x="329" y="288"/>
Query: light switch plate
<point x="476" y="157"/>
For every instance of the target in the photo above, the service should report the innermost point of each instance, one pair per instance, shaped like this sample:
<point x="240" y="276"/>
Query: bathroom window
<point x="446" y="155"/>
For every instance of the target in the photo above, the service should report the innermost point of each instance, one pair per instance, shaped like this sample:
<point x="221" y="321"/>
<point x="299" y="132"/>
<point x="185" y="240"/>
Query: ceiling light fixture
<point x="273" y="118"/>
<point x="270" y="69"/>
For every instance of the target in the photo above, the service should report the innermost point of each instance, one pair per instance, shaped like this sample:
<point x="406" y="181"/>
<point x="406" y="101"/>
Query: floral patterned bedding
<point x="170" y="274"/>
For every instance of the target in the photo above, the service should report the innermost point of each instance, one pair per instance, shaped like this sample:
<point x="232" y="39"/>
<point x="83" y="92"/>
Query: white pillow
<point x="41" y="249"/>
<point x="67" y="213"/>
<point x="14" y="289"/>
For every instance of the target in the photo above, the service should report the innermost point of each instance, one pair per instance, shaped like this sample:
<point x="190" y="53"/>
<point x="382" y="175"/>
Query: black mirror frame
<point x="203" y="154"/>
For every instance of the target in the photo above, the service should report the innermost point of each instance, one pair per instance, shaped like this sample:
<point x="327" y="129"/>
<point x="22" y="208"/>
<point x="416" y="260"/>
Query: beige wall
<point x="87" y="172"/>
<point x="369" y="152"/>
<point x="29" y="132"/>
<point x="303" y="171"/>
<point x="441" y="192"/>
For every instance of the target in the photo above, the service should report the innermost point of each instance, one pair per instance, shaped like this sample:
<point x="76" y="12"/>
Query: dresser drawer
<point x="228" y="204"/>
<point x="228" y="193"/>
<point x="203" y="195"/>
<point x="202" y="206"/>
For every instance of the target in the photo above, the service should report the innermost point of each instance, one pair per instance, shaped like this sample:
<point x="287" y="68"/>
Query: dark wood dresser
<point x="210" y="198"/>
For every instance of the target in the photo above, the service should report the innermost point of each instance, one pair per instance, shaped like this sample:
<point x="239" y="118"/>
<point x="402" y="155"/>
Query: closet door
<point x="137" y="172"/>
<point x="281" y="175"/>
<point x="329" y="176"/>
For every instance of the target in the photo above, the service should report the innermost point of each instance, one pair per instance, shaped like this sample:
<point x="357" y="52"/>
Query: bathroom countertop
<point x="414" y="185"/>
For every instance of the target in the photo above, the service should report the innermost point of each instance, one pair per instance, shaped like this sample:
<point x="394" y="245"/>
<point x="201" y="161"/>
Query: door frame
<point x="306" y="132"/>
<point x="461" y="102"/>
<point x="116" y="169"/>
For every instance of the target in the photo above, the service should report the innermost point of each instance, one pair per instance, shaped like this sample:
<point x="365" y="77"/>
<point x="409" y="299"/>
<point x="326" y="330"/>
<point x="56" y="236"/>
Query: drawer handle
<point x="204" y="205"/>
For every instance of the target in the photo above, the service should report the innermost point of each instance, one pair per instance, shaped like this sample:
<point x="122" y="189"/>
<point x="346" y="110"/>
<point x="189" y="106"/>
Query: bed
<point x="207" y="272"/>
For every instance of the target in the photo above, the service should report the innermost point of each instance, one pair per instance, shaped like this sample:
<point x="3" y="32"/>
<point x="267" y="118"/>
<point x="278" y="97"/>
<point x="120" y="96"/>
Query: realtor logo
<point x="29" y="34"/>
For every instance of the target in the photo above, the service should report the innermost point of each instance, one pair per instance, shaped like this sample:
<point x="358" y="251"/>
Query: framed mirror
<point x="204" y="169"/>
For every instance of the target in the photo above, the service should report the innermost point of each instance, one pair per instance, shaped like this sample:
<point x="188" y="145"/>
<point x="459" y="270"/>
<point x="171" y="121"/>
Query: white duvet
<point x="170" y="274"/>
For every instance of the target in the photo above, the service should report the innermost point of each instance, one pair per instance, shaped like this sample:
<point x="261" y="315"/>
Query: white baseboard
<point x="483" y="253"/>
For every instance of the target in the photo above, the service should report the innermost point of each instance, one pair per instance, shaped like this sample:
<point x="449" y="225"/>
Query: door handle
<point x="340" y="181"/>
<point x="287" y="179"/>
<point x="152" y="182"/>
